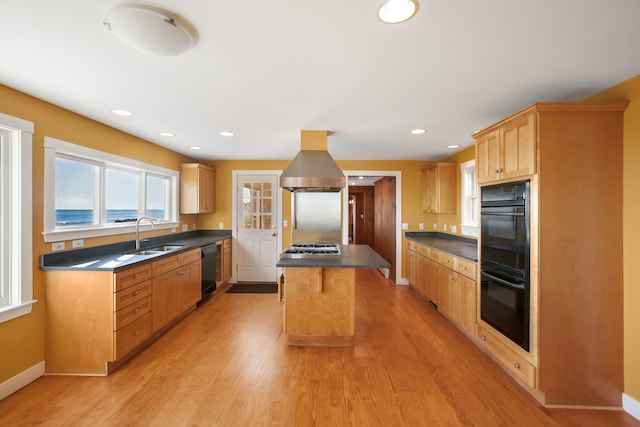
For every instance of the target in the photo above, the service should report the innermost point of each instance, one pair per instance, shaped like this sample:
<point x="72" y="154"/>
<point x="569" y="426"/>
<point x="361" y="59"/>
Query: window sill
<point x="13" y="311"/>
<point x="83" y="233"/>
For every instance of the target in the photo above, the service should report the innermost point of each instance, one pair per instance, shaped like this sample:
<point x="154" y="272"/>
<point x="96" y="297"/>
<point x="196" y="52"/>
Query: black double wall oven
<point x="504" y="259"/>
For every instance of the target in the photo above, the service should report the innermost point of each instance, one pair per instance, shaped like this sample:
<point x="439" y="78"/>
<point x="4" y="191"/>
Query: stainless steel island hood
<point x="313" y="169"/>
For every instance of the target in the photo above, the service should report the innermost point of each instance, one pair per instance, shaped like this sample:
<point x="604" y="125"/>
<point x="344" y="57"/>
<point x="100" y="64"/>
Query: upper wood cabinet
<point x="197" y="188"/>
<point x="507" y="151"/>
<point x="439" y="188"/>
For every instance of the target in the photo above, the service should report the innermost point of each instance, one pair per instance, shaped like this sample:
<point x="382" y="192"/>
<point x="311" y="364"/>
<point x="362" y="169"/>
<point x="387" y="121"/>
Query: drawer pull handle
<point x="136" y="333"/>
<point x="135" y="293"/>
<point x="135" y="311"/>
<point x="516" y="365"/>
<point x="135" y="276"/>
<point x="464" y="268"/>
<point x="181" y="273"/>
<point x="483" y="338"/>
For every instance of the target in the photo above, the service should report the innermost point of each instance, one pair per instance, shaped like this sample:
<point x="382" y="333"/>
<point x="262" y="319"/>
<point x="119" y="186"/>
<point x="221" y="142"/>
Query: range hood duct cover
<point x="313" y="170"/>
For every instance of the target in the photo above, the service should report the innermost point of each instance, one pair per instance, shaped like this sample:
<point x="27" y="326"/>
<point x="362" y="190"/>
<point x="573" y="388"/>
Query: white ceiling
<point x="267" y="69"/>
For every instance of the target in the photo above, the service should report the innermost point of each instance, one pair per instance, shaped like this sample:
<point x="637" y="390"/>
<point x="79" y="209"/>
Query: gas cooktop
<point x="304" y="250"/>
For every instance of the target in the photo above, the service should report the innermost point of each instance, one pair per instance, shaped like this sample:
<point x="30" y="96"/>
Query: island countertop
<point x="351" y="256"/>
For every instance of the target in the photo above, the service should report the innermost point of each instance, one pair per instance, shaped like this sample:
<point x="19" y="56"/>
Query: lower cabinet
<point x="447" y="281"/>
<point x="96" y="319"/>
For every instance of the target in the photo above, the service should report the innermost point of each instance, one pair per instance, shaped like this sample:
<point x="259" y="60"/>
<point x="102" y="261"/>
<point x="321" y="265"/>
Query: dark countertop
<point x="351" y="256"/>
<point x="459" y="246"/>
<point x="117" y="256"/>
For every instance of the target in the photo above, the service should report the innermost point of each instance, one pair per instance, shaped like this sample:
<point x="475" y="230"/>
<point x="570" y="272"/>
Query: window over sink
<point x="90" y="193"/>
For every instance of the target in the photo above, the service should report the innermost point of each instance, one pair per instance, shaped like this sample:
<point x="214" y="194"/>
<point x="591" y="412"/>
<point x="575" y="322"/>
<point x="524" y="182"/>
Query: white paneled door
<point x="257" y="233"/>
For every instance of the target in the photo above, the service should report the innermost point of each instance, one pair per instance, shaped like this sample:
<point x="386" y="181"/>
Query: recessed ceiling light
<point x="396" y="11"/>
<point x="167" y="134"/>
<point x="453" y="146"/>
<point x="226" y="133"/>
<point x="123" y="113"/>
<point x="418" y="131"/>
<point x="361" y="177"/>
<point x="195" y="147"/>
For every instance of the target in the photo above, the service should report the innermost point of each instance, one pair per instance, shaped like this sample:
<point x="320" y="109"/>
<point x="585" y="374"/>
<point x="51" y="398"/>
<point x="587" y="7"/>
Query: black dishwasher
<point x="209" y="273"/>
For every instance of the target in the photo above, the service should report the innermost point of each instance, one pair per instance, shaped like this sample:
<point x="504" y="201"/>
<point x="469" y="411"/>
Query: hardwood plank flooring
<point x="228" y="364"/>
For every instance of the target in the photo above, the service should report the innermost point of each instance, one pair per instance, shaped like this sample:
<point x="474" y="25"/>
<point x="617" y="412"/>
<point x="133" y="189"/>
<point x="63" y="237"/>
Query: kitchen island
<point x="318" y="295"/>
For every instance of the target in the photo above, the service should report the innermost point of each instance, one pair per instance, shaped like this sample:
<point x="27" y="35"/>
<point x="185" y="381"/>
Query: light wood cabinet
<point x="319" y="306"/>
<point x="509" y="151"/>
<point x="197" y="188"/>
<point x="97" y="319"/>
<point x="572" y="154"/>
<point x="227" y="264"/>
<point x="439" y="188"/>
<point x="447" y="281"/>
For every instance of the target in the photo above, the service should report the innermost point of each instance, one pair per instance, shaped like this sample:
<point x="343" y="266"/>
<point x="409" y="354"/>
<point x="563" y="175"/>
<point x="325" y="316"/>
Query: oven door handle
<point x="503" y="282"/>
<point x="489" y="213"/>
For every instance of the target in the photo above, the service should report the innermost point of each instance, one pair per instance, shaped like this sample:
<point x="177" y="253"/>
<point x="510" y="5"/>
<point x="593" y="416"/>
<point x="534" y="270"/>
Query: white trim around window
<point x="17" y="243"/>
<point x="469" y="203"/>
<point x="54" y="148"/>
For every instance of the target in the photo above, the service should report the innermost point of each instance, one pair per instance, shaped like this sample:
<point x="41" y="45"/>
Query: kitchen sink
<point x="157" y="250"/>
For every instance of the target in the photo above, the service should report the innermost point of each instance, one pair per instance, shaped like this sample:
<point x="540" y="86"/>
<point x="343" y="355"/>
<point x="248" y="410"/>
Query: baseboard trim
<point x="631" y="406"/>
<point x="22" y="379"/>
<point x="402" y="281"/>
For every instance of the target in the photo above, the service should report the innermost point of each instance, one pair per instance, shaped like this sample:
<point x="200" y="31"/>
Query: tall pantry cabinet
<point x="572" y="154"/>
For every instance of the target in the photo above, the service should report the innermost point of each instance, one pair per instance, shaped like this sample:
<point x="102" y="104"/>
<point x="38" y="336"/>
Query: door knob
<point x="274" y="235"/>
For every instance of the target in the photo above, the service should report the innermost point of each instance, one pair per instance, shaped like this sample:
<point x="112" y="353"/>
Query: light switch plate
<point x="421" y="226"/>
<point x="454" y="229"/>
<point x="221" y="225"/>
<point x="78" y="243"/>
<point x="57" y="246"/>
<point x="405" y="226"/>
<point x="185" y="227"/>
<point x="285" y="223"/>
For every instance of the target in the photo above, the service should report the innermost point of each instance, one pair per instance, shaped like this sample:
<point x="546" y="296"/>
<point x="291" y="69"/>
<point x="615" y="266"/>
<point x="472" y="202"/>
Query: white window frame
<point x="53" y="147"/>
<point x="16" y="283"/>
<point x="469" y="191"/>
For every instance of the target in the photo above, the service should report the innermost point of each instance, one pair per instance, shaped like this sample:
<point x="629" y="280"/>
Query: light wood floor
<point x="228" y="364"/>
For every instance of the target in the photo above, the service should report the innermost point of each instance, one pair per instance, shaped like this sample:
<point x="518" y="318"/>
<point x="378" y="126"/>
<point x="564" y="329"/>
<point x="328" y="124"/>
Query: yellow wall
<point x="24" y="336"/>
<point x="630" y="90"/>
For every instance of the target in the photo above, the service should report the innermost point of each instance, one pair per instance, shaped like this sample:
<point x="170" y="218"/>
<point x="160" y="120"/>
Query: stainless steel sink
<point x="158" y="250"/>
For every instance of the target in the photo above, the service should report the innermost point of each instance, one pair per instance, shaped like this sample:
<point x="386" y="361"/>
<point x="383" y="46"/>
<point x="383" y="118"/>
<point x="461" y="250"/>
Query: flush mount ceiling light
<point x="167" y="134"/>
<point x="453" y="146"/>
<point x="151" y="30"/>
<point x="396" y="11"/>
<point x="418" y="131"/>
<point x="123" y="113"/>
<point x="195" y="147"/>
<point x="226" y="133"/>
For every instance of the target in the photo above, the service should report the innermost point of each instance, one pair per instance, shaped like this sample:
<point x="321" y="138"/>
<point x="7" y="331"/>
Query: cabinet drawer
<point x="190" y="256"/>
<point x="226" y="243"/>
<point x="131" y="276"/>
<point x="422" y="250"/>
<point x="129" y="314"/>
<point x="466" y="267"/>
<point x="433" y="254"/>
<point x="447" y="260"/>
<point x="513" y="362"/>
<point x="132" y="294"/>
<point x="129" y="337"/>
<point x="411" y="245"/>
<point x="165" y="264"/>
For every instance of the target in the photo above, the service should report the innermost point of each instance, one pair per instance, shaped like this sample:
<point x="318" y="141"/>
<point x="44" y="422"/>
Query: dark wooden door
<point x="361" y="221"/>
<point x="385" y="221"/>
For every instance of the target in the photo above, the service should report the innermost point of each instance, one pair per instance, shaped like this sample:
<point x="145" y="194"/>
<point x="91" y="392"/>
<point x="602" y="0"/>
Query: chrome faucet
<point x="138" y="228"/>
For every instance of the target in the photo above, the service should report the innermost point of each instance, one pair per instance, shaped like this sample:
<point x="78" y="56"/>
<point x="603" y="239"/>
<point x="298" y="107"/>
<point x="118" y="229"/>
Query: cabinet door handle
<point x="135" y="311"/>
<point x="136" y="333"/>
<point x="483" y="338"/>
<point x="516" y="365"/>
<point x="135" y="293"/>
<point x="135" y="276"/>
<point x="181" y="273"/>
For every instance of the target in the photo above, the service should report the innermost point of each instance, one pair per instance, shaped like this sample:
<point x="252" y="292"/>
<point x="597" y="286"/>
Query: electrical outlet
<point x="185" y="227"/>
<point x="454" y="229"/>
<point x="435" y="225"/>
<point x="221" y="225"/>
<point x="173" y="230"/>
<point x="193" y="226"/>
<point x="421" y="226"/>
<point x="78" y="243"/>
<point x="445" y="227"/>
<point x="285" y="223"/>
<point x="57" y="246"/>
<point x="405" y="226"/>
